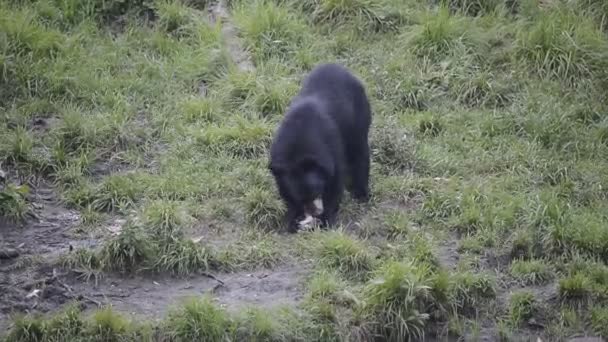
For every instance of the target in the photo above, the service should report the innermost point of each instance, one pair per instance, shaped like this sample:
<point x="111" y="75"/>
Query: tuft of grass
<point x="392" y="148"/>
<point x="345" y="254"/>
<point x="564" y="45"/>
<point x="371" y="12"/>
<point x="599" y="320"/>
<point x="198" y="320"/>
<point x="483" y="90"/>
<point x="400" y="300"/>
<point x="75" y="131"/>
<point x="71" y="173"/>
<point x="531" y="272"/>
<point x="27" y="329"/>
<point x="257" y="325"/>
<point x="108" y="325"/>
<point x="272" y="96"/>
<point x="566" y="322"/>
<point x="324" y="285"/>
<point x="20" y="146"/>
<point x="421" y="250"/>
<point x="522" y="244"/>
<point x="397" y="224"/>
<point x="521" y="306"/>
<point x="128" y="251"/>
<point x="116" y="192"/>
<point x="166" y="219"/>
<point x="438" y="34"/>
<point x="469" y="290"/>
<point x="575" y="288"/>
<point x="263" y="209"/>
<point x="471" y="244"/>
<point x="173" y="16"/>
<point x="269" y="29"/>
<point x="183" y="257"/>
<point x="201" y="110"/>
<point x="243" y="140"/>
<point x="440" y="203"/>
<point x="89" y="217"/>
<point x="472" y="7"/>
<point x="597" y="9"/>
<point x="85" y="260"/>
<point x="430" y="126"/>
<point x="251" y="251"/>
<point x="327" y="296"/>
<point x="67" y="323"/>
<point x="591" y="237"/>
<point x="27" y="36"/>
<point x="13" y="202"/>
<point x="80" y="195"/>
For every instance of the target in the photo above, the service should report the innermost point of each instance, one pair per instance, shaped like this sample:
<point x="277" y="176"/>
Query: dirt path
<point x="152" y="297"/>
<point x="219" y="12"/>
<point x="37" y="244"/>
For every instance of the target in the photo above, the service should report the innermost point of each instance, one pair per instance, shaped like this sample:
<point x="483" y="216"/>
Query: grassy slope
<point x="489" y="138"/>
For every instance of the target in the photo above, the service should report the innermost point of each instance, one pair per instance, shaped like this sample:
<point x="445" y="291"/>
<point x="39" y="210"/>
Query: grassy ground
<point x="133" y="146"/>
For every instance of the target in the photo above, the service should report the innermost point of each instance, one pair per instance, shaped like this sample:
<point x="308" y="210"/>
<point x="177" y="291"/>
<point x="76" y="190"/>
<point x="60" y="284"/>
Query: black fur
<point x="322" y="138"/>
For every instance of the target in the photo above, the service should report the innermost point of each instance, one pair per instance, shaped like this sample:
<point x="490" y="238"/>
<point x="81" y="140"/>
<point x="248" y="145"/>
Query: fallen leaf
<point x="34" y="293"/>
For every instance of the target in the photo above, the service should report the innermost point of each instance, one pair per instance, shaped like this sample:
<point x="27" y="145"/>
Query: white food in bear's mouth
<point x="318" y="204"/>
<point x="307" y="221"/>
<point x="309" y="218"/>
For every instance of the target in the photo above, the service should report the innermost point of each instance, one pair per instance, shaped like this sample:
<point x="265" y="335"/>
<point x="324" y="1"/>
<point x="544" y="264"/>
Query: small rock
<point x="116" y="227"/>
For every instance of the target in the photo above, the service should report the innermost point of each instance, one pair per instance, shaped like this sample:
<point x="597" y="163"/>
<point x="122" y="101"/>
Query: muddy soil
<point x="32" y="281"/>
<point x="153" y="297"/>
<point x="27" y="275"/>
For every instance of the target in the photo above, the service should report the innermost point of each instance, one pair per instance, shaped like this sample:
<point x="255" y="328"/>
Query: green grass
<point x="270" y="29"/>
<point x="198" y="319"/>
<point x="469" y="290"/>
<point x="128" y="250"/>
<point x="402" y="298"/>
<point x="13" y="202"/>
<point x="564" y="45"/>
<point x="488" y="170"/>
<point x="252" y="250"/>
<point x="521" y="306"/>
<point x="345" y="254"/>
<point x="531" y="271"/>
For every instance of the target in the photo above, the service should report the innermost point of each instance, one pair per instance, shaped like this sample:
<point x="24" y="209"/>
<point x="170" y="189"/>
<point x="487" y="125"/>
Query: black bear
<point x="322" y="137"/>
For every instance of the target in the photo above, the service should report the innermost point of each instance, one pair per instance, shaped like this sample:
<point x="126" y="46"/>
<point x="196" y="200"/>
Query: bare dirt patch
<point x="152" y="297"/>
<point x="27" y="282"/>
<point x="219" y="12"/>
<point x="448" y="252"/>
